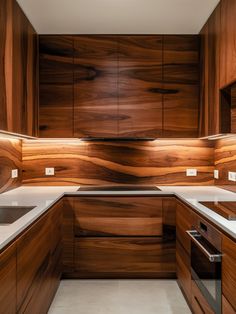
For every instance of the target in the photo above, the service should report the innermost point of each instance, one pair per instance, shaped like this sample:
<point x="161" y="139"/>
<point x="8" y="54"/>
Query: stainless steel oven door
<point x="206" y="269"/>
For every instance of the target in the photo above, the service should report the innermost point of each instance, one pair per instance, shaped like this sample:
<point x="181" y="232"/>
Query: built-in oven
<point x="206" y="262"/>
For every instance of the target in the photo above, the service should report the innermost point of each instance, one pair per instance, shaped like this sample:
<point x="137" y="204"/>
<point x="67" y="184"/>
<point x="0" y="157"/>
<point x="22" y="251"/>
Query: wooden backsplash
<point x="225" y="159"/>
<point x="159" y="162"/>
<point x="10" y="158"/>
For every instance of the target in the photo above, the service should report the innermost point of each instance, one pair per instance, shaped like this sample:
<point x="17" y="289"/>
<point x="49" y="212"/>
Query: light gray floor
<point x="119" y="297"/>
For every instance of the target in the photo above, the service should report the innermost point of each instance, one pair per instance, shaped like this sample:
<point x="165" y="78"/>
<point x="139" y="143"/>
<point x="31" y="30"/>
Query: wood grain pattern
<point x="56" y="86"/>
<point x="226" y="306"/>
<point x="137" y="257"/>
<point x="18" y="68"/>
<point x="8" y="280"/>
<point x="95" y="86"/>
<point x="118" y="216"/>
<point x="227" y="46"/>
<point x="225" y="159"/>
<point x="140" y="86"/>
<point x="10" y="158"/>
<point x="101" y="163"/>
<point x="228" y="270"/>
<point x="181" y="86"/>
<point x="210" y="72"/>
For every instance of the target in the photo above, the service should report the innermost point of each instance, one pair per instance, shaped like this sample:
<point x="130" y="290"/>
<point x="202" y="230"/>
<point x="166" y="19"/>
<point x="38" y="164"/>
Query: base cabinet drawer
<point x="131" y="257"/>
<point x="199" y="304"/>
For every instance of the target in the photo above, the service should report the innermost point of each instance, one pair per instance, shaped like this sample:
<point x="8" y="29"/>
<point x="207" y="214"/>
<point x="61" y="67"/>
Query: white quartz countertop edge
<point x="44" y="197"/>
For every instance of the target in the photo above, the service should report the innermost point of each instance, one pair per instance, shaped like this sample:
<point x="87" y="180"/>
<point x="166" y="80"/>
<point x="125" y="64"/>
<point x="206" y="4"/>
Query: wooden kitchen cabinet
<point x="226" y="307"/>
<point x="227" y="43"/>
<point x="180" y="86"/>
<point x="18" y="67"/>
<point x="95" y="86"/>
<point x="140" y="86"/>
<point x="210" y="76"/>
<point x="56" y="83"/>
<point x="38" y="263"/>
<point x="8" y="280"/>
<point x="199" y="303"/>
<point x="119" y="237"/>
<point x="183" y="247"/>
<point x="228" y="273"/>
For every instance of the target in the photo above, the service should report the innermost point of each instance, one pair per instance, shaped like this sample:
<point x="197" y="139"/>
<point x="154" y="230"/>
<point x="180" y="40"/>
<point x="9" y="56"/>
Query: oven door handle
<point x="213" y="258"/>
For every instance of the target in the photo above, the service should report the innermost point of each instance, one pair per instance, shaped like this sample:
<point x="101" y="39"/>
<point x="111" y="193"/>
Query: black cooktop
<point x="119" y="188"/>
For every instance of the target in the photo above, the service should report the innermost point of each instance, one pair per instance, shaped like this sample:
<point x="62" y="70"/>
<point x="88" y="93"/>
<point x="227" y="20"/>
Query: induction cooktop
<point x="119" y="188"/>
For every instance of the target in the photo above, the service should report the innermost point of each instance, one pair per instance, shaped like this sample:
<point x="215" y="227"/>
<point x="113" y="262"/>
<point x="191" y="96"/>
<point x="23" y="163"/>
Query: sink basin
<point x="119" y="188"/>
<point x="9" y="214"/>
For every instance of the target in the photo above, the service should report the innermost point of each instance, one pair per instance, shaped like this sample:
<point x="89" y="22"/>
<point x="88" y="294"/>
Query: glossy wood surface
<point x="225" y="154"/>
<point x="18" y="56"/>
<point x="199" y="303"/>
<point x="56" y="80"/>
<point x="181" y="86"/>
<point x="184" y="222"/>
<point x="225" y="209"/>
<point x="129" y="257"/>
<point x="11" y="158"/>
<point x="227" y="45"/>
<point x="228" y="270"/>
<point x="140" y="86"/>
<point x="118" y="216"/>
<point x="102" y="163"/>
<point x="8" y="280"/>
<point x="39" y="263"/>
<point x="226" y="306"/>
<point x="95" y="86"/>
<point x="210" y="72"/>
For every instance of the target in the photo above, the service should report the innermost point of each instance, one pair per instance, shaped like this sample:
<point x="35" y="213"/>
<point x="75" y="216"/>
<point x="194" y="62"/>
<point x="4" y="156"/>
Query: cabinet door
<point x="18" y="66"/>
<point x="8" y="280"/>
<point x="56" y="86"/>
<point x="95" y="86"/>
<point x="33" y="266"/>
<point x="140" y="86"/>
<point x="227" y="44"/>
<point x="126" y="257"/>
<point x="210" y="87"/>
<point x="226" y="307"/>
<point x="181" y="86"/>
<point x="199" y="303"/>
<point x="183" y="223"/>
<point x="228" y="270"/>
<point x="118" y="216"/>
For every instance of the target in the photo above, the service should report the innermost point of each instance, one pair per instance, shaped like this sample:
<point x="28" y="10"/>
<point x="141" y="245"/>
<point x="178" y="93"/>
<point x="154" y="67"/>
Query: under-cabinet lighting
<point x="16" y="136"/>
<point x="217" y="136"/>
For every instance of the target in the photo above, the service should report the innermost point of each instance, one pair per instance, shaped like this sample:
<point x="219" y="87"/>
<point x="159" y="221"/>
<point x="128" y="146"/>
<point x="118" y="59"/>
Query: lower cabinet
<point x="8" y="280"/>
<point x="183" y="223"/>
<point x="199" y="304"/>
<point x="30" y="269"/>
<point x="119" y="237"/>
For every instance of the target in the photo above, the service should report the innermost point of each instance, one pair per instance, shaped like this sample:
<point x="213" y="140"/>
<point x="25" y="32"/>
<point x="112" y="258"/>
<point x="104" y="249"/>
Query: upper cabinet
<point x="119" y="86"/>
<point x="181" y="86"/>
<point x="18" y="68"/>
<point x="210" y="71"/>
<point x="227" y="46"/>
<point x="95" y="86"/>
<point x="56" y="81"/>
<point x="140" y="86"/>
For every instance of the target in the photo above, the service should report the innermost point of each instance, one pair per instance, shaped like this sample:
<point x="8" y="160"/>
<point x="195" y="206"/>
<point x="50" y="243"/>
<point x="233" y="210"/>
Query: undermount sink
<point x="118" y="188"/>
<point x="9" y="214"/>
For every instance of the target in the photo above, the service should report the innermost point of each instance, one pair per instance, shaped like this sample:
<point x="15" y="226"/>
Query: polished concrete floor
<point x="119" y="297"/>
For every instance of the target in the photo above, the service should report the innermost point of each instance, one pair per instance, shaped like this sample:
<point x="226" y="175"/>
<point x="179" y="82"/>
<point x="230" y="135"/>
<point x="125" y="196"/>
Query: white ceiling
<point x="118" y="16"/>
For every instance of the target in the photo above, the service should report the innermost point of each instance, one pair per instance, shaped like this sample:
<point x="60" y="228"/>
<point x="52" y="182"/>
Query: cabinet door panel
<point x="226" y="307"/>
<point x="140" y="86"/>
<point x="95" y="86"/>
<point x="124" y="257"/>
<point x="199" y="303"/>
<point x="181" y="86"/>
<point x="122" y="216"/>
<point x="228" y="270"/>
<point x="56" y="81"/>
<point x="227" y="43"/>
<point x="184" y="222"/>
<point x="8" y="280"/>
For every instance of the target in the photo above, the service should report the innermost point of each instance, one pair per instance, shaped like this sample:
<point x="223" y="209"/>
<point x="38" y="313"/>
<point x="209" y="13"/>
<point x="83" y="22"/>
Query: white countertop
<point x="44" y="197"/>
